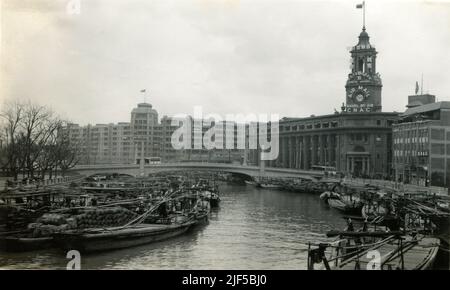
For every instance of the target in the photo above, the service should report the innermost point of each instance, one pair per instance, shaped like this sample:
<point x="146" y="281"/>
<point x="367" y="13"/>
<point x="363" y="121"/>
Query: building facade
<point x="121" y="143"/>
<point x="225" y="130"/>
<point x="355" y="141"/>
<point x="422" y="144"/>
<point x="147" y="139"/>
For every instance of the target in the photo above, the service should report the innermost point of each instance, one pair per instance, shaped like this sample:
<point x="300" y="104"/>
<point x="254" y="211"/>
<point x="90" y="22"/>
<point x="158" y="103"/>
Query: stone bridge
<point x="249" y="171"/>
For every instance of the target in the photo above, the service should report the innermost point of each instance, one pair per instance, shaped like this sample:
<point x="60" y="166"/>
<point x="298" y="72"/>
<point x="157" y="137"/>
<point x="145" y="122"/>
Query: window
<point x="438" y="149"/>
<point x="360" y="65"/>
<point x="437" y="134"/>
<point x="378" y="122"/>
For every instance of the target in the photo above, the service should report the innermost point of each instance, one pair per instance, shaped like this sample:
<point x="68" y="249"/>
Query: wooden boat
<point x="396" y="253"/>
<point x="326" y="195"/>
<point x="250" y="182"/>
<point x="214" y="200"/>
<point x="370" y="212"/>
<point x="212" y="197"/>
<point x="270" y="186"/>
<point x="346" y="206"/>
<point x="17" y="243"/>
<point x="201" y="217"/>
<point x="111" y="239"/>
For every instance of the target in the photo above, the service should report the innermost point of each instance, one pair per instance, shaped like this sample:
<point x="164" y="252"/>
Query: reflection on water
<point x="253" y="229"/>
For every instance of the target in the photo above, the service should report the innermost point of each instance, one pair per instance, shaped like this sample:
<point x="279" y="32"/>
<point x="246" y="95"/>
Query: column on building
<point x="294" y="152"/>
<point x="286" y="152"/>
<point x="291" y="152"/>
<point x="320" y="145"/>
<point x="313" y="150"/>
<point x="304" y="152"/>
<point x="337" y="154"/>
<point x="281" y="152"/>
<point x="330" y="148"/>
<point x="364" y="165"/>
<point x="308" y="150"/>
<point x="299" y="153"/>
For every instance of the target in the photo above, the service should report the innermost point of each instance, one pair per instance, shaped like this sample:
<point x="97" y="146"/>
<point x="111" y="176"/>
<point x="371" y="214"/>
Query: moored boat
<point x="396" y="252"/>
<point x="250" y="182"/>
<point x="112" y="239"/>
<point x="270" y="185"/>
<point x="346" y="204"/>
<point x="23" y="243"/>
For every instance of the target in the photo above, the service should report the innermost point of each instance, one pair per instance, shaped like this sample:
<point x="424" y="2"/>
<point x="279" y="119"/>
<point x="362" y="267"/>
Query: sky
<point x="89" y="59"/>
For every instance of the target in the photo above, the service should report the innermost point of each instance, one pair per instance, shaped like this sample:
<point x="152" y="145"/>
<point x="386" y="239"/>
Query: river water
<point x="253" y="229"/>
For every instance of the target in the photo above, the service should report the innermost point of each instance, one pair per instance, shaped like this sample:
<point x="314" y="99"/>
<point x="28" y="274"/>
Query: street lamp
<point x="136" y="140"/>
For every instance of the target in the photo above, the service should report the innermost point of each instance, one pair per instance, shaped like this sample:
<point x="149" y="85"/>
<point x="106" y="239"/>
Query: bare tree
<point x="11" y="115"/>
<point x="35" y="141"/>
<point x="38" y="124"/>
<point x="68" y="150"/>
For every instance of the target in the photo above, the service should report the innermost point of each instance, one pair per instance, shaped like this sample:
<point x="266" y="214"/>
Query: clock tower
<point x="363" y="86"/>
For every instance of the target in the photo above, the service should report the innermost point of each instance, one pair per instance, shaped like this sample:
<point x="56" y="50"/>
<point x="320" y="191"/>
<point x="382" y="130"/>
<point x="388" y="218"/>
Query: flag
<point x="143" y="91"/>
<point x="417" y="87"/>
<point x="358" y="6"/>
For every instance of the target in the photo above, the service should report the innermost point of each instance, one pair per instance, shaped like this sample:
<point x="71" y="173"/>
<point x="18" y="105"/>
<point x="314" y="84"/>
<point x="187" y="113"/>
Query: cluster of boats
<point x="397" y="230"/>
<point x="99" y="215"/>
<point x="292" y="185"/>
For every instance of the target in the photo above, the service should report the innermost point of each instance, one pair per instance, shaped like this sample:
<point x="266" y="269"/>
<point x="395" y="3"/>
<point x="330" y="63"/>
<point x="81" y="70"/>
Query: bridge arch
<point x="247" y="171"/>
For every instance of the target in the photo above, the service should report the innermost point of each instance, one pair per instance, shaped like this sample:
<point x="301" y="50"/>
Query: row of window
<point x="411" y="140"/>
<point x="332" y="124"/>
<point x="413" y="153"/>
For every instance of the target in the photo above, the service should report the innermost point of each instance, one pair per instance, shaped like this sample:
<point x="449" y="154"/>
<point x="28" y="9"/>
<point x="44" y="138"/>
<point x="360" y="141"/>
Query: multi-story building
<point x="145" y="138"/>
<point x="422" y="143"/>
<point x="146" y="132"/>
<point x="356" y="140"/>
<point x="120" y="143"/>
<point x="201" y="153"/>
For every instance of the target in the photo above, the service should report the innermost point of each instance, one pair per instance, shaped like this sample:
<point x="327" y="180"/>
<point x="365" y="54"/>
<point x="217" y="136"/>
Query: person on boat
<point x="162" y="209"/>
<point x="350" y="227"/>
<point x="364" y="229"/>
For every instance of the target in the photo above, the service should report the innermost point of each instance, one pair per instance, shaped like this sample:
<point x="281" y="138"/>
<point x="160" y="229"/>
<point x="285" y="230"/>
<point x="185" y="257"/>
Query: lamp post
<point x="136" y="141"/>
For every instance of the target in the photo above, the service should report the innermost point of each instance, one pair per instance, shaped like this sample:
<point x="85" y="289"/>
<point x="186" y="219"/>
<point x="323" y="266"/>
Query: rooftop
<point x="426" y="108"/>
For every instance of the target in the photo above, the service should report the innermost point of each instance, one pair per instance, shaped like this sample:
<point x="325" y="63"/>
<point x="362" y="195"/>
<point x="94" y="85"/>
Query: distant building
<point x="218" y="155"/>
<point x="422" y="145"/>
<point x="145" y="138"/>
<point x="121" y="143"/>
<point x="146" y="133"/>
<point x="420" y="100"/>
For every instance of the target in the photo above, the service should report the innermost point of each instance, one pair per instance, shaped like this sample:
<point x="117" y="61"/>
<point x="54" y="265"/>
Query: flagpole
<point x="364" y="14"/>
<point x="145" y="96"/>
<point x="421" y="86"/>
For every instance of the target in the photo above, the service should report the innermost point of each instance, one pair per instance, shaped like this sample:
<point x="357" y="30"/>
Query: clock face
<point x="358" y="94"/>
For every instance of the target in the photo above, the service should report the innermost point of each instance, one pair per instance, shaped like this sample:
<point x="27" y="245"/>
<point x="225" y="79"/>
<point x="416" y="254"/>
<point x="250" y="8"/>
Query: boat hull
<point x="214" y="202"/>
<point x="270" y="186"/>
<point x="344" y="207"/>
<point x="106" y="241"/>
<point x="17" y="244"/>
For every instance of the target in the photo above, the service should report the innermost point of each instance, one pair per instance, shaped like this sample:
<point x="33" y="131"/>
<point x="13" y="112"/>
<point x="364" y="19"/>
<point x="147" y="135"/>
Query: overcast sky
<point x="230" y="56"/>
